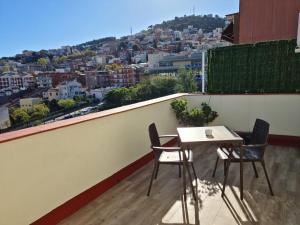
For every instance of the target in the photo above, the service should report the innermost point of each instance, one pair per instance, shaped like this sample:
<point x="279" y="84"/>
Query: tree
<point x="145" y="91"/>
<point x="164" y="85"/>
<point x="40" y="110"/>
<point x="80" y="98"/>
<point x="66" y="103"/>
<point x="53" y="105"/>
<point x="135" y="48"/>
<point x="19" y="115"/>
<point x="89" y="52"/>
<point x="118" y="97"/>
<point x="113" y="66"/>
<point x="42" y="61"/>
<point x="186" y="81"/>
<point x="60" y="59"/>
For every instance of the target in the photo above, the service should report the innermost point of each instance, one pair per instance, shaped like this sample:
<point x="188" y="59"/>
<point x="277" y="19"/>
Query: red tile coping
<point x="68" y="208"/>
<point x="281" y="140"/>
<point x="284" y="140"/>
<point x="69" y="122"/>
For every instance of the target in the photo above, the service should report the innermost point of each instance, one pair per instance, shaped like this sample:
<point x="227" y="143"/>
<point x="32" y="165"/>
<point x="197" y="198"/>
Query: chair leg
<point x="225" y="162"/>
<point x="194" y="171"/>
<point x="266" y="174"/>
<point x="179" y="170"/>
<point x="156" y="172"/>
<point x="214" y="173"/>
<point x="152" y="176"/>
<point x="254" y="168"/>
<point x="225" y="177"/>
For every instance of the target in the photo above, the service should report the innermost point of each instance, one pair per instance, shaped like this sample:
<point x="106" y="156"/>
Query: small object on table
<point x="208" y="133"/>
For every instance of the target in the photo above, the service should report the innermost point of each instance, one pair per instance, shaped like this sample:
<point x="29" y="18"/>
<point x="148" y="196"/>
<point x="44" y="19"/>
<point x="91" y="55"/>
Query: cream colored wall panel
<point x="240" y="111"/>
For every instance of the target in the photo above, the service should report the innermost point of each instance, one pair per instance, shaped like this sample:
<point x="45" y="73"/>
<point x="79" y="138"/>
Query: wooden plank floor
<point x="127" y="202"/>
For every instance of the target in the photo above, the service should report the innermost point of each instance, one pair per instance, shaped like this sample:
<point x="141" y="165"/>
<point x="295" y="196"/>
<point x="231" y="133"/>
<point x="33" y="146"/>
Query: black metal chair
<point x="166" y="155"/>
<point x="252" y="151"/>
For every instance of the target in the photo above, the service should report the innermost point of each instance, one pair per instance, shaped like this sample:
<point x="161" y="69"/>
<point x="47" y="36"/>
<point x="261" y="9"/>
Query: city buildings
<point x="97" y="79"/>
<point x="171" y="63"/>
<point x="123" y="77"/>
<point x="51" y="94"/>
<point x="153" y="59"/>
<point x="16" y="82"/>
<point x="58" y="77"/>
<point x="70" y="89"/>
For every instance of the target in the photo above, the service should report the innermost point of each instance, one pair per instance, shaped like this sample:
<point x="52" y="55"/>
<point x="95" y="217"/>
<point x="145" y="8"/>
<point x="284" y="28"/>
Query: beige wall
<point x="42" y="171"/>
<point x="240" y="111"/>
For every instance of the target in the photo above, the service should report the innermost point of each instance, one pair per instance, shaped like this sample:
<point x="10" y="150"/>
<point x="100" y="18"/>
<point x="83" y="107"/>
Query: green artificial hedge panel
<point x="266" y="67"/>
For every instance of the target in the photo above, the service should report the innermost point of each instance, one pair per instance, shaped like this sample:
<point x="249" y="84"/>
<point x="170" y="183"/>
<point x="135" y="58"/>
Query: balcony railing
<point x="46" y="169"/>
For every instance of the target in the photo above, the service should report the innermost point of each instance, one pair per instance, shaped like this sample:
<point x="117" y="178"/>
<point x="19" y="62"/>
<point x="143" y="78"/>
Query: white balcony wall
<point x="240" y="111"/>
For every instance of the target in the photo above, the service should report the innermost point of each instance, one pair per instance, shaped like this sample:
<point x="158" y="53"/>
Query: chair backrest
<point x="260" y="132"/>
<point x="154" y="138"/>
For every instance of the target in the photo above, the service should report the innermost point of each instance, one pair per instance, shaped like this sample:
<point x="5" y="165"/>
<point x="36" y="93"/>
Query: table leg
<point x="241" y="180"/>
<point x="185" y="162"/>
<point x="183" y="177"/>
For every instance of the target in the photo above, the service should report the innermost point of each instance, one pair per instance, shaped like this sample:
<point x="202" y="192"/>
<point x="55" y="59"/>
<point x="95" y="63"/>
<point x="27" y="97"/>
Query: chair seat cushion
<point x="249" y="154"/>
<point x="173" y="157"/>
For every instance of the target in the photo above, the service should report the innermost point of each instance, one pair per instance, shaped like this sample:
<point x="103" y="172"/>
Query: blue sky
<point x="45" y="24"/>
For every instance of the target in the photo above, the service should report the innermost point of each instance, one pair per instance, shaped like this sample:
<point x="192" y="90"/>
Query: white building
<point x="44" y="81"/>
<point x="140" y="58"/>
<point x="217" y="32"/>
<point x="28" y="81"/>
<point x="100" y="60"/>
<point x="115" y="60"/>
<point x="70" y="89"/>
<point x="4" y="118"/>
<point x="153" y="59"/>
<point x="178" y="35"/>
<point x="11" y="80"/>
<point x="100" y="93"/>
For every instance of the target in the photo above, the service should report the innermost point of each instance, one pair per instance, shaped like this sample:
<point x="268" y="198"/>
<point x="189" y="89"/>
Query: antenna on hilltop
<point x="131" y="31"/>
<point x="194" y="8"/>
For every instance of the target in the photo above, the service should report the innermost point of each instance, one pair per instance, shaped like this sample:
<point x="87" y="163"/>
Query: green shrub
<point x="195" y="117"/>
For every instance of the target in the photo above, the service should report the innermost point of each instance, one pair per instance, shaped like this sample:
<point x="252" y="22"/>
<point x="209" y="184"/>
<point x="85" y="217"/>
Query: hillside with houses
<point x="86" y="72"/>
